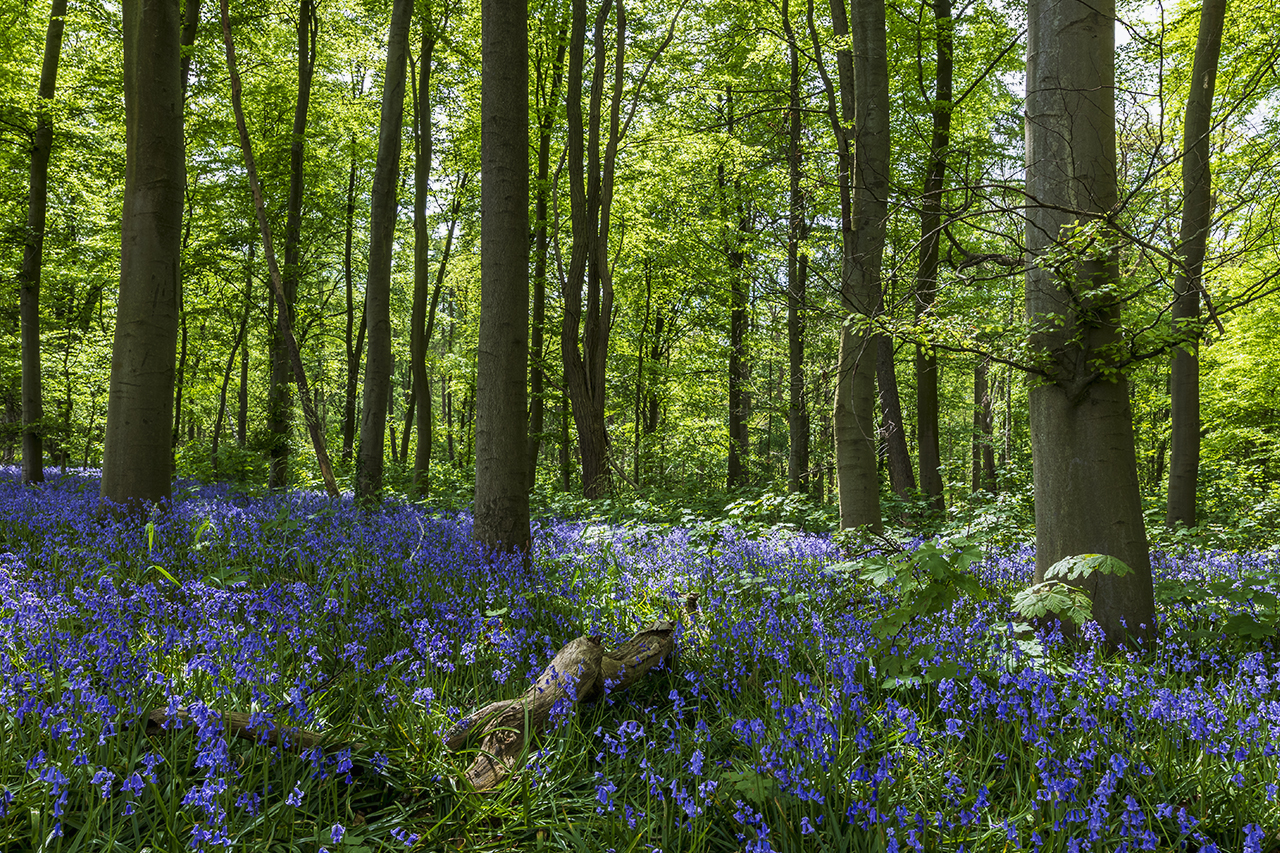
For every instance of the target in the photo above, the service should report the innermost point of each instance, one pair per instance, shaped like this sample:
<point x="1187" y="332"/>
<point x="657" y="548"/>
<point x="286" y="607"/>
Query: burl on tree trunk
<point x="581" y="671"/>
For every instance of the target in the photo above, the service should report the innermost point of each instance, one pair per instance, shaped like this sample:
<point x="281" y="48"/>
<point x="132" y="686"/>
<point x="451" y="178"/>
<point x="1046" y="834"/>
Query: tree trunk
<point x="591" y="201"/>
<point x="542" y="191"/>
<point x="739" y="371"/>
<point x="264" y="228"/>
<point x="418" y="335"/>
<point x="797" y="274"/>
<point x="354" y="339"/>
<point x="864" y="188"/>
<point x="983" y="468"/>
<point x="1086" y="480"/>
<point x="226" y="383"/>
<point x="280" y="405"/>
<point x="138" y="442"/>
<point x="502" y="485"/>
<point x="242" y="409"/>
<point x="377" y="292"/>
<point x="901" y="478"/>
<point x="1184" y="379"/>
<point x="33" y="252"/>
<point x="927" y="273"/>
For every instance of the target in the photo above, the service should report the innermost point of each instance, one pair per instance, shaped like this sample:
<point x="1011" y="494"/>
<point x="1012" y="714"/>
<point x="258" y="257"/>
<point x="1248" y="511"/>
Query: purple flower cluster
<point x="771" y="724"/>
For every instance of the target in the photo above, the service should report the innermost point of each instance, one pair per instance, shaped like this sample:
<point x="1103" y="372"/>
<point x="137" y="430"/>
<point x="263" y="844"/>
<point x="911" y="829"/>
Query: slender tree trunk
<point x="1184" y="380"/>
<point x="739" y="372"/>
<point x="418" y="335"/>
<point x="299" y="372"/>
<point x="226" y="383"/>
<point x="542" y="191"/>
<point x="242" y="413"/>
<point x="501" y="428"/>
<point x="190" y="25"/>
<point x="927" y="273"/>
<point x="280" y="404"/>
<point x="797" y="274"/>
<point x="354" y="339"/>
<point x="137" y="446"/>
<point x="33" y="252"/>
<point x="901" y="478"/>
<point x="1086" y="479"/>
<point x="983" y="468"/>
<point x="377" y="293"/>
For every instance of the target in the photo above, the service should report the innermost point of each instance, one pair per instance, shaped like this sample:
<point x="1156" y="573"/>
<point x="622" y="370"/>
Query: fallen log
<point x="245" y="727"/>
<point x="581" y="671"/>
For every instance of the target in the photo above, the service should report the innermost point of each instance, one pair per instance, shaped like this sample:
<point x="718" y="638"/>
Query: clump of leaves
<point x="1067" y="588"/>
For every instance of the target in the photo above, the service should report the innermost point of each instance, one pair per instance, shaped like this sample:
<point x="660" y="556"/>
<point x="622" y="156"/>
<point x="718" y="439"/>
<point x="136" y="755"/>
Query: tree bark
<point x="419" y="336"/>
<point x="797" y="273"/>
<point x="983" y="467"/>
<point x="591" y="201"/>
<point x="264" y="228"/>
<point x="1184" y="379"/>
<point x="354" y="338"/>
<point x="739" y="371"/>
<point x="33" y="252"/>
<point x="927" y="273"/>
<point x="377" y="292"/>
<point x="280" y="403"/>
<point x="242" y="408"/>
<point x="901" y="478"/>
<point x="1086" y="479"/>
<point x="501" y="427"/>
<point x="541" y="233"/>
<point x="138" y="441"/>
<point x="864" y="188"/>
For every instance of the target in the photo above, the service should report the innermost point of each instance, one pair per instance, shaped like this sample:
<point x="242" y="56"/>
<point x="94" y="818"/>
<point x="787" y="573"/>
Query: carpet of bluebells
<point x="771" y="729"/>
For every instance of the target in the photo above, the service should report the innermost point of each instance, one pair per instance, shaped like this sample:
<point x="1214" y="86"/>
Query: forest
<point x="566" y="425"/>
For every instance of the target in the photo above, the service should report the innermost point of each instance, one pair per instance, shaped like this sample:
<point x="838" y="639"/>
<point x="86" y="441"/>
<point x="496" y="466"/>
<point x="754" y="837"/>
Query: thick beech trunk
<point x="1086" y="480"/>
<point x="501" y="428"/>
<point x="33" y="252"/>
<point x="377" y="292"/>
<point x="138" y="442"/>
<point x="1184" y="379"/>
<point x="864" y="188"/>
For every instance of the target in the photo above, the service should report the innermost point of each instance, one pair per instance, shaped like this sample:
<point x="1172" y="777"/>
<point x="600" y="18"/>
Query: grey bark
<point x="1086" y="479"/>
<point x="501" y="434"/>
<point x="354" y="338"/>
<point x="864" y="187"/>
<point x="377" y="293"/>
<point x="1184" y="379"/>
<point x="33" y="252"/>
<point x="138" y="440"/>
<point x="983" y="463"/>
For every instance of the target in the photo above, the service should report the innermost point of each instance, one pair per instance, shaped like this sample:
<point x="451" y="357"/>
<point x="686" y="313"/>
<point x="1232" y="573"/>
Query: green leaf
<point x="1083" y="565"/>
<point x="1247" y="625"/>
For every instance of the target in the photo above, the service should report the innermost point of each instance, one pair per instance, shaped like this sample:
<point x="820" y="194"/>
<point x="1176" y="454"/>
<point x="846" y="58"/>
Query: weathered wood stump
<point x="581" y="671"/>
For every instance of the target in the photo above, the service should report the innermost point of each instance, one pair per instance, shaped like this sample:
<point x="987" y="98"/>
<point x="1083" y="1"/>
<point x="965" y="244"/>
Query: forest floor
<point x="775" y="725"/>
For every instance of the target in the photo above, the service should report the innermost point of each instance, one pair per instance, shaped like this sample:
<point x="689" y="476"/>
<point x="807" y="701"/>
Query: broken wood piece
<point x="581" y="671"/>
<point x="243" y="726"/>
